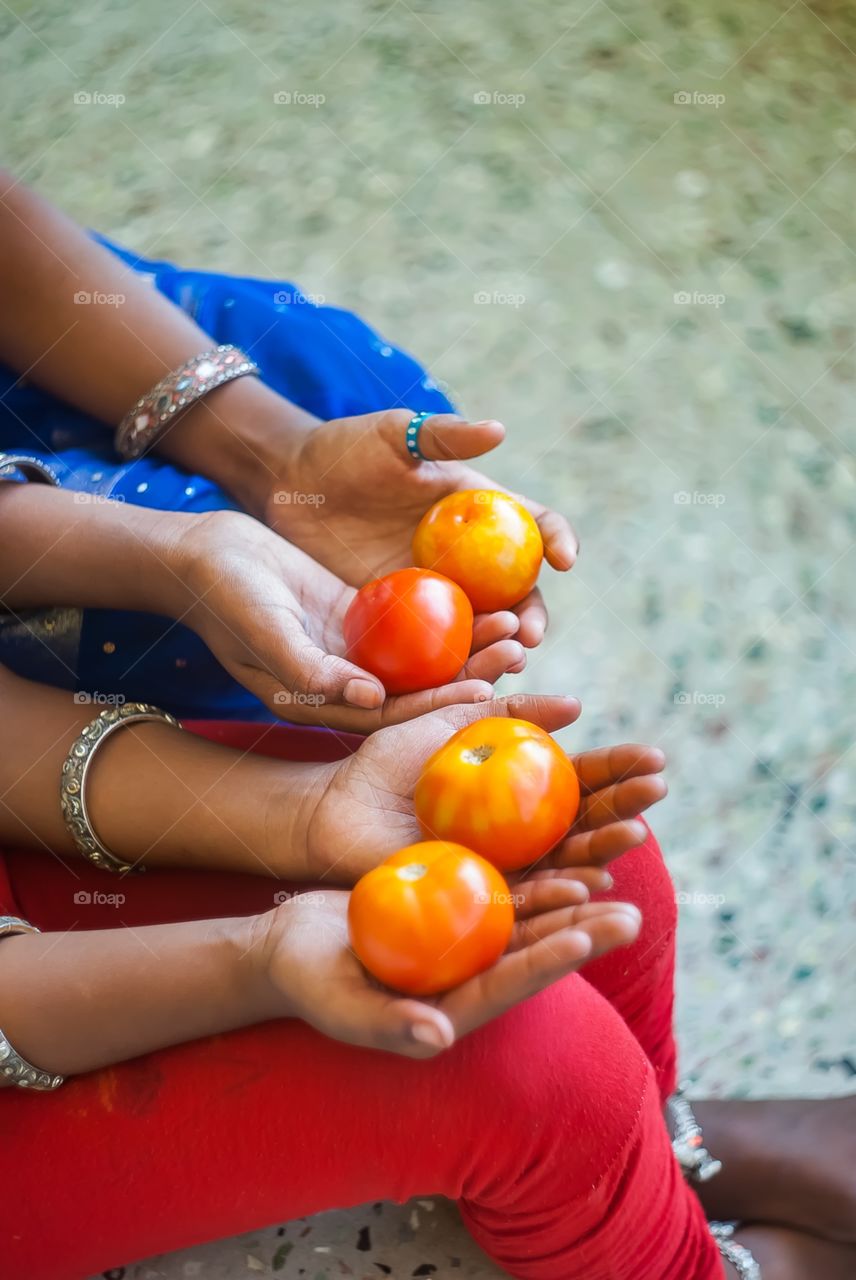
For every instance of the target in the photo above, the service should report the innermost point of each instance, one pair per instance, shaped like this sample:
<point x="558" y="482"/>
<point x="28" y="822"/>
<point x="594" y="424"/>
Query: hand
<point x="365" y="810"/>
<point x="307" y="959"/>
<point x="369" y="495"/>
<point x="273" y="618"/>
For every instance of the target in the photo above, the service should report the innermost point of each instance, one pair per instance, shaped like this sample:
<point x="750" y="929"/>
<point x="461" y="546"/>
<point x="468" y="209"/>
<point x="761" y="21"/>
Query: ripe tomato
<point x="430" y="917"/>
<point x="412" y="629"/>
<point x="484" y="541"/>
<point x="501" y="787"/>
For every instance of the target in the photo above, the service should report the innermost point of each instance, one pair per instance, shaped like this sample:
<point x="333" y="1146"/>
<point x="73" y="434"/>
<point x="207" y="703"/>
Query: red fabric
<point x="546" y="1126"/>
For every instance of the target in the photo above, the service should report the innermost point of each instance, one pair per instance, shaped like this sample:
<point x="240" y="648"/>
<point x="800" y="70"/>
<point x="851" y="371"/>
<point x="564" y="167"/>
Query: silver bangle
<point x="143" y="425"/>
<point x="738" y="1255"/>
<point x="696" y="1162"/>
<point x="76" y="768"/>
<point x="13" y="1067"/>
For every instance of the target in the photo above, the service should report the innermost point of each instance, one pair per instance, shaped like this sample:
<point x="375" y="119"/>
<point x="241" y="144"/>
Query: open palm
<point x="366" y="812"/>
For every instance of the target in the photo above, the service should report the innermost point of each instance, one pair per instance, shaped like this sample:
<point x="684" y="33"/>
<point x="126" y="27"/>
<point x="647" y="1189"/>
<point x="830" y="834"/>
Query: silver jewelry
<point x="697" y="1163"/>
<point x="76" y="768"/>
<point x="737" y="1254"/>
<point x="30" y="467"/>
<point x="143" y="425"/>
<point x="15" y="1068"/>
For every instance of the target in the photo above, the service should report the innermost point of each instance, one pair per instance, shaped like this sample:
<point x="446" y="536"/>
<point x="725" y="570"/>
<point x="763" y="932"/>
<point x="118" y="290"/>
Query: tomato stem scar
<point x="477" y="755"/>
<point x="413" y="871"/>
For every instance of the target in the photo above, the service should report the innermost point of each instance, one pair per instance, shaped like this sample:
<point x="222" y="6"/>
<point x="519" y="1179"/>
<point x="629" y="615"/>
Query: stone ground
<point x="623" y="229"/>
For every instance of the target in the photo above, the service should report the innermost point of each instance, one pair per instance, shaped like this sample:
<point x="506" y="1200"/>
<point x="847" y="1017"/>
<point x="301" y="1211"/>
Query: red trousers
<point x="545" y="1126"/>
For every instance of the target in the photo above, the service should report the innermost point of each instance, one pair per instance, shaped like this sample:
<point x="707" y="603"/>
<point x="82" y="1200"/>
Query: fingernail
<point x="486" y="422"/>
<point x="362" y="693"/>
<point x="428" y="1033"/>
<point x="608" y="882"/>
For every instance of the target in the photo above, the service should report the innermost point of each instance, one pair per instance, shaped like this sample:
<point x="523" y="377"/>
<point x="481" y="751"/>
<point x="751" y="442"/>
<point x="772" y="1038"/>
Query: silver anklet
<point x="737" y="1254"/>
<point x="697" y="1163"/>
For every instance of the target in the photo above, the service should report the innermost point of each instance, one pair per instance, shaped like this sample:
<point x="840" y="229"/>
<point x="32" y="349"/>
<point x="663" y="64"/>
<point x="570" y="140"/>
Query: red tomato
<point x="484" y="541"/>
<point x="412" y="629"/>
<point x="430" y="917"/>
<point x="501" y="787"/>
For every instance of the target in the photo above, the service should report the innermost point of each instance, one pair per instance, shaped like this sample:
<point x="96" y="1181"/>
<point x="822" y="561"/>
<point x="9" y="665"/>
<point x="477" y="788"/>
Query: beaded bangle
<point x="696" y="1162"/>
<point x="13" y="1067"/>
<point x="737" y="1254"/>
<point x="76" y="767"/>
<point x="143" y="425"/>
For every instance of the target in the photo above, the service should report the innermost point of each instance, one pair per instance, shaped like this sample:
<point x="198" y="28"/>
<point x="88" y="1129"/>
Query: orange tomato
<point x="412" y="629"/>
<point x="501" y="787"/>
<point x="430" y="917"/>
<point x="486" y="542"/>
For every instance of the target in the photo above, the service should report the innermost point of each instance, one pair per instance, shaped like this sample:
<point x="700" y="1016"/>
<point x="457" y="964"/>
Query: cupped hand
<point x="307" y="958"/>
<point x="273" y="618"/>
<point x="362" y="496"/>
<point x="364" y="810"/>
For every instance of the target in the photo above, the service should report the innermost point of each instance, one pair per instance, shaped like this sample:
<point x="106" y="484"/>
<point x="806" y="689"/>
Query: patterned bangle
<point x="15" y="1068"/>
<point x="143" y="425"/>
<point x="737" y="1254"/>
<point x="76" y="767"/>
<point x="696" y="1162"/>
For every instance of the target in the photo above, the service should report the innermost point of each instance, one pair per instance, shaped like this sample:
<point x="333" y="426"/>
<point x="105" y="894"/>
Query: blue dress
<point x="322" y="358"/>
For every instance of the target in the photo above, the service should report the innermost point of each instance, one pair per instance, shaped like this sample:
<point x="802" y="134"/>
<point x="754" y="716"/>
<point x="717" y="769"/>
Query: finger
<point x="606" y="765"/>
<point x="292" y="669"/>
<point x="532" y="619"/>
<point x="595" y="848"/>
<point x="523" y="973"/>
<point x="444" y="437"/>
<point x="395" y="711"/>
<point x="377" y="1019"/>
<point x="532" y="897"/>
<point x="561" y="544"/>
<point x="594" y="878"/>
<point x="548" y="711"/>
<point x="490" y="627"/>
<point x="625" y="800"/>
<point x="495" y="661"/>
<point x="527" y="932"/>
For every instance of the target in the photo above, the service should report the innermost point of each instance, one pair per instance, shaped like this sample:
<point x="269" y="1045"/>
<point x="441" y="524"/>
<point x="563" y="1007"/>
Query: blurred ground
<point x="624" y="230"/>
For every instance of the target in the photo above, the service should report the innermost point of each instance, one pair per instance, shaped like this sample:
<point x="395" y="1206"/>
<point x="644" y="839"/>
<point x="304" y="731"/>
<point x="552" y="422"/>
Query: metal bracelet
<point x="738" y="1255"/>
<point x="697" y="1163"/>
<point x="76" y="768"/>
<point x="142" y="425"/>
<point x="16" y="1069"/>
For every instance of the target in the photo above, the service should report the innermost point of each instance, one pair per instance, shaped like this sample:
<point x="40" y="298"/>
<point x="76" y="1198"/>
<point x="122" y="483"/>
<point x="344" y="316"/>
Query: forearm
<point x="157" y="795"/>
<point x="101" y="357"/>
<point x="74" y="1002"/>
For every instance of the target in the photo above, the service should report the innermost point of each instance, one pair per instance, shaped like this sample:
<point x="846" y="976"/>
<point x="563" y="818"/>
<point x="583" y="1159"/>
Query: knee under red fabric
<point x="545" y="1126"/>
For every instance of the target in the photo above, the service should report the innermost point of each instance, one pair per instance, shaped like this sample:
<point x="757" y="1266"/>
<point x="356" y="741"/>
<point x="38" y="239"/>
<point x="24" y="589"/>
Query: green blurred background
<point x="624" y="229"/>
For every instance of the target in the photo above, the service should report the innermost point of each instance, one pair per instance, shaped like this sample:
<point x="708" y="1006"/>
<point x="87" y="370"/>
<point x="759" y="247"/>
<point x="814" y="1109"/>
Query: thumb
<point x="444" y="437"/>
<point x="296" y="670"/>
<point x="380" y="1020"/>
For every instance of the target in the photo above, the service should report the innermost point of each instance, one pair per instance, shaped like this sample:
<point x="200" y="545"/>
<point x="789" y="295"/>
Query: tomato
<point x="430" y="917"/>
<point x="501" y="787"/>
<point x="412" y="629"/>
<point x="486" y="542"/>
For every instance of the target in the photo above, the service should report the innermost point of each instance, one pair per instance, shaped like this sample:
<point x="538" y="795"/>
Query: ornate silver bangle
<point x="147" y="420"/>
<point x="15" y="1068"/>
<point x="737" y="1254"/>
<point x="76" y="767"/>
<point x="697" y="1163"/>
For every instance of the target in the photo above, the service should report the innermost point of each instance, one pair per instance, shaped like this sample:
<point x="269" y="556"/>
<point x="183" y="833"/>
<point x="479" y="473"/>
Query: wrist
<point x="241" y="436"/>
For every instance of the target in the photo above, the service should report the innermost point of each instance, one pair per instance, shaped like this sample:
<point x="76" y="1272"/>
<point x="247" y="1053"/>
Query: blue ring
<point x="411" y="435"/>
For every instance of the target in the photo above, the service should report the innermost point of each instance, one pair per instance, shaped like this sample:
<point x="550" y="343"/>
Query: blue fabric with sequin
<point x="325" y="359"/>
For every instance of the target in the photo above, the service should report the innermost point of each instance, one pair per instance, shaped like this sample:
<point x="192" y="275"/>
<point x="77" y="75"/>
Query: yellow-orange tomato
<point x="486" y="542"/>
<point x="501" y="787"/>
<point x="430" y="917"/>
